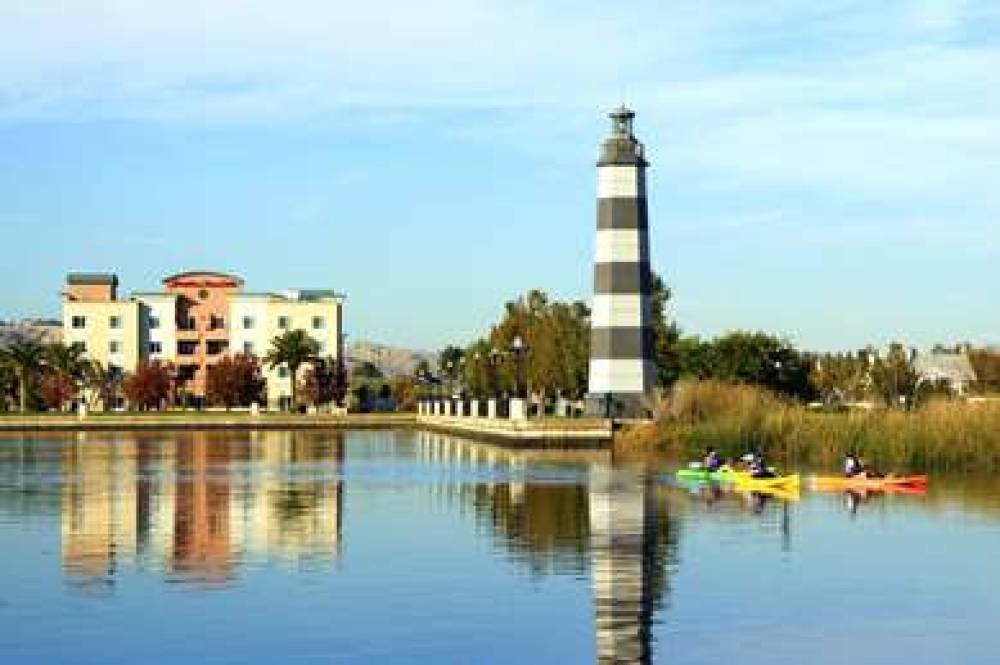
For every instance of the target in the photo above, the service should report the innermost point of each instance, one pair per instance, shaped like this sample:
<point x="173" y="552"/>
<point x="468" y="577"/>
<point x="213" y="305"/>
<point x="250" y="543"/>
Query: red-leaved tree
<point x="57" y="389"/>
<point x="148" y="387"/>
<point x="234" y="381"/>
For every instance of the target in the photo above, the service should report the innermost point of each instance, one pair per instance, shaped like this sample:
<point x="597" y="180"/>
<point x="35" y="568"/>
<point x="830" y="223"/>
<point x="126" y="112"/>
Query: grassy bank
<point x="735" y="418"/>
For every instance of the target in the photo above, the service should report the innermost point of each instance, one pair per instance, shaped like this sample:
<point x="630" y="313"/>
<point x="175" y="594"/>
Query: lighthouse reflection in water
<point x="407" y="546"/>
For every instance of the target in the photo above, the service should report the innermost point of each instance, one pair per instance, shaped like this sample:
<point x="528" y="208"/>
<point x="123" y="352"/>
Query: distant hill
<point x="390" y="360"/>
<point x="49" y="330"/>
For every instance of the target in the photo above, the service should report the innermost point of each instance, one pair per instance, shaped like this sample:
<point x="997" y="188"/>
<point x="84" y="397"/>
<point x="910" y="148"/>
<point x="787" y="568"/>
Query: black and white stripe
<point x="621" y="353"/>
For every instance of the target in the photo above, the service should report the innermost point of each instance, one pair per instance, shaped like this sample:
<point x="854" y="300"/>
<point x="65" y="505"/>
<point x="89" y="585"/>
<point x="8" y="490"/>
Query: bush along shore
<point x="939" y="435"/>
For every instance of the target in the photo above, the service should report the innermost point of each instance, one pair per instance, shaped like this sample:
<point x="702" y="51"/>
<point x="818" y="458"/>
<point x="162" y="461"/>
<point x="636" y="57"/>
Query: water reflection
<point x="195" y="505"/>
<point x="208" y="511"/>
<point x="613" y="523"/>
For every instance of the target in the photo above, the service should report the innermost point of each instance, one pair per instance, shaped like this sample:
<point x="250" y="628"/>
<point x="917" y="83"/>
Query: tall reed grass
<point x="734" y="418"/>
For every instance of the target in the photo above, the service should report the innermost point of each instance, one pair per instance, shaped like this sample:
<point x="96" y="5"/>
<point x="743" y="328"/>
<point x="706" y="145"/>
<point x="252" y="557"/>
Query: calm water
<point x="400" y="547"/>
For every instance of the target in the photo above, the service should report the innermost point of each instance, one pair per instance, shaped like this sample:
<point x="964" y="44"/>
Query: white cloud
<point x="872" y="99"/>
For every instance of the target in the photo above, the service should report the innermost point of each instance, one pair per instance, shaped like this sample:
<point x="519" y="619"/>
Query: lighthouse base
<point x="618" y="405"/>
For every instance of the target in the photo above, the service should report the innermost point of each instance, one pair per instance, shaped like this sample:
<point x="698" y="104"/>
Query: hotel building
<point x="196" y="320"/>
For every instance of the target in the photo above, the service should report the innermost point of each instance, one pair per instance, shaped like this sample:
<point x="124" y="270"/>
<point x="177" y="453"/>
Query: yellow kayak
<point x="792" y="493"/>
<point x="782" y="483"/>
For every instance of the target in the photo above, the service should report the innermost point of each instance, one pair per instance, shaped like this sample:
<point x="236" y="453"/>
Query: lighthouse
<point x="622" y="369"/>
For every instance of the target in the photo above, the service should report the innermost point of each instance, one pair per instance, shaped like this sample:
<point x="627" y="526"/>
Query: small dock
<point x="528" y="433"/>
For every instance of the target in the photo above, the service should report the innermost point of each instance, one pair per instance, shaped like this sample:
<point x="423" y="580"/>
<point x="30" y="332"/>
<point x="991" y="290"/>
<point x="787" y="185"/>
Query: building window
<point x="187" y="323"/>
<point x="154" y="322"/>
<point x="81" y="346"/>
<point x="282" y="372"/>
<point x="283" y="322"/>
<point x="79" y="322"/>
<point x="248" y="348"/>
<point x="186" y="372"/>
<point x="248" y="323"/>
<point x="115" y="371"/>
<point x="216" y="323"/>
<point x="114" y="347"/>
<point x="115" y="322"/>
<point x="216" y="346"/>
<point x="318" y="322"/>
<point x="156" y="347"/>
<point x="187" y="348"/>
<point x="322" y="348"/>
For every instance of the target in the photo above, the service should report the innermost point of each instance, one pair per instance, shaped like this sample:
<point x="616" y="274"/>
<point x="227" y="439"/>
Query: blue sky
<point x="828" y="171"/>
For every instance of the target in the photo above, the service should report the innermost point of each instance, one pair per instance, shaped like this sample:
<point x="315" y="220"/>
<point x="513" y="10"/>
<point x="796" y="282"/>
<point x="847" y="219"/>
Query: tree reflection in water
<point x="607" y="519"/>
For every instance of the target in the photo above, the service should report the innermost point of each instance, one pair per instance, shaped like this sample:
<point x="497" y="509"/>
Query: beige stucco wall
<point x="267" y="312"/>
<point x="98" y="334"/>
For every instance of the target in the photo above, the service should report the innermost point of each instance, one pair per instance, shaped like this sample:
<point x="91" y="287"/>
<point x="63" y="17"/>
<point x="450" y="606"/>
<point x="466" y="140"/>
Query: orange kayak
<point x="886" y="484"/>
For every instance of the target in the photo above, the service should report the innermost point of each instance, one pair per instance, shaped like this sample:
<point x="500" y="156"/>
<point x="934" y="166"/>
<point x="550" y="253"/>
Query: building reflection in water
<point x="607" y="519"/>
<point x="197" y="505"/>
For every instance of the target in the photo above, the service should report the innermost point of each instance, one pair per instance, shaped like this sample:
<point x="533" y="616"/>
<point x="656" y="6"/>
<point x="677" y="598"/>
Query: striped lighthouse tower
<point x="622" y="371"/>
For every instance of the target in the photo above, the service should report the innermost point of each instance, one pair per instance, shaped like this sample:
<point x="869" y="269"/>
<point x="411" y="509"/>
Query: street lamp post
<point x="518" y="348"/>
<point x="494" y="361"/>
<point x="519" y="405"/>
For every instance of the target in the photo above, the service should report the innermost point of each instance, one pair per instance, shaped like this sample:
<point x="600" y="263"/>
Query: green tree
<point x="476" y="373"/>
<point x="404" y="392"/>
<point x="557" y="339"/>
<point x="8" y="386"/>
<point x="65" y="359"/>
<point x="26" y="358"/>
<point x="102" y="384"/>
<point x="423" y="368"/>
<point x="666" y="335"/>
<point x="293" y="349"/>
<point x="894" y="378"/>
<point x="840" y="377"/>
<point x="64" y="367"/>
<point x="450" y="361"/>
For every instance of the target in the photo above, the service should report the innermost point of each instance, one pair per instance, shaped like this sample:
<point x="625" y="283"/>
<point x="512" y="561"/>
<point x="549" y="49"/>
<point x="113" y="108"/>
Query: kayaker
<point x="852" y="465"/>
<point x="713" y="460"/>
<point x="855" y="468"/>
<point x="759" y="468"/>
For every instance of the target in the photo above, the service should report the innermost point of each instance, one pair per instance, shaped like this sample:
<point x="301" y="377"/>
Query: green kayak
<point x="724" y="475"/>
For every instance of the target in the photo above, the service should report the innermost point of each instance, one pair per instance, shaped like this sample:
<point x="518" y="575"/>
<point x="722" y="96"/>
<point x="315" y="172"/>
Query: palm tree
<point x="101" y="382"/>
<point x="293" y="349"/>
<point x="8" y="383"/>
<point x="65" y="359"/>
<point x="67" y="363"/>
<point x="25" y="357"/>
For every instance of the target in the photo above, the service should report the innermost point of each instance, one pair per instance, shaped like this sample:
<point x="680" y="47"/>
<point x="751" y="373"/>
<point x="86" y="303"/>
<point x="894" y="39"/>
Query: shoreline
<point x="548" y="433"/>
<point x="195" y="421"/>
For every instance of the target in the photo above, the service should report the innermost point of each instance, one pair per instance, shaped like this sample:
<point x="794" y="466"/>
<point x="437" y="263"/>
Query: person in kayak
<point x="713" y="460"/>
<point x="855" y="468"/>
<point x="758" y="467"/>
<point x="852" y="465"/>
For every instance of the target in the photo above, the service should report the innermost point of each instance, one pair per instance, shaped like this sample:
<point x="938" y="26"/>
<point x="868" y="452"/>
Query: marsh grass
<point x="733" y="418"/>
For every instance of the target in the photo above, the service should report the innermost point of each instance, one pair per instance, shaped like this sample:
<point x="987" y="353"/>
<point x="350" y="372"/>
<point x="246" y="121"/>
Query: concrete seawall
<point x="545" y="433"/>
<point x="560" y="433"/>
<point x="175" y="421"/>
